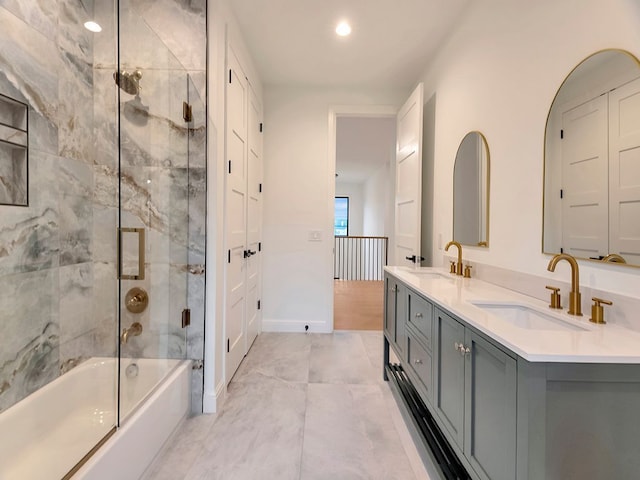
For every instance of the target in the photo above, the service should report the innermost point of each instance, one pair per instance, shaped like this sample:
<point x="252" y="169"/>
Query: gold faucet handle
<point x="467" y="271"/>
<point x="453" y="267"/>
<point x="597" y="310"/>
<point x="555" y="297"/>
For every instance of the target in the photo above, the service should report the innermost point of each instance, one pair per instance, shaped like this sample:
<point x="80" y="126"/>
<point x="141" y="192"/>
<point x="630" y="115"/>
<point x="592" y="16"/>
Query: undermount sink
<point x="526" y="317"/>
<point x="430" y="274"/>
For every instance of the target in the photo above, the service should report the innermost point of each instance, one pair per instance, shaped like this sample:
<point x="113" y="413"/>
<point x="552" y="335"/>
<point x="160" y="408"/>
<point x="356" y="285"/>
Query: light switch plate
<point x="315" y="236"/>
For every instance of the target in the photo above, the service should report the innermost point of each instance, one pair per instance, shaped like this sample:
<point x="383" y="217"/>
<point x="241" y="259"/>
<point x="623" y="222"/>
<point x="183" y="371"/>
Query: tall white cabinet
<point x="243" y="214"/>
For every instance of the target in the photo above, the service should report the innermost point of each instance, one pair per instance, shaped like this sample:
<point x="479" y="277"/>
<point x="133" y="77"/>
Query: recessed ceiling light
<point x="343" y="29"/>
<point x="92" y="26"/>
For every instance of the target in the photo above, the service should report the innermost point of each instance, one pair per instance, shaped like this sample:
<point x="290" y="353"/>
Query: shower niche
<point x="14" y="152"/>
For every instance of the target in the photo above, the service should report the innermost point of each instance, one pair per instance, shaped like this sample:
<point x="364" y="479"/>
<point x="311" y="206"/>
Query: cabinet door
<point x="395" y="312"/>
<point x="420" y="316"/>
<point x="401" y="320"/>
<point x="449" y="376"/>
<point x="490" y="409"/>
<point x="390" y="289"/>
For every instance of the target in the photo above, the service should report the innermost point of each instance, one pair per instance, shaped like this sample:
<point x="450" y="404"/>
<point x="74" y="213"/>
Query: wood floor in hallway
<point x="357" y="305"/>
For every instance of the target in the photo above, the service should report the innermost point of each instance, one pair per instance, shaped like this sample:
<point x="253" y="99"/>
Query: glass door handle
<point x="141" y="248"/>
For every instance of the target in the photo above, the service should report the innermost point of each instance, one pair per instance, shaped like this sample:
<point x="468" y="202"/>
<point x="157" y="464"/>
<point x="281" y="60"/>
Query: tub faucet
<point x="459" y="264"/>
<point x="574" y="296"/>
<point x="133" y="331"/>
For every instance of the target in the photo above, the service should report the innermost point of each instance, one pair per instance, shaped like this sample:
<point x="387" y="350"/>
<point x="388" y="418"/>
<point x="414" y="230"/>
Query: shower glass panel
<point x="58" y="283"/>
<point x="154" y="203"/>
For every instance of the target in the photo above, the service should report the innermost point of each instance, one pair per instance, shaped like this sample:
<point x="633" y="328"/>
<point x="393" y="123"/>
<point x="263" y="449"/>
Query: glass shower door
<point x="154" y="190"/>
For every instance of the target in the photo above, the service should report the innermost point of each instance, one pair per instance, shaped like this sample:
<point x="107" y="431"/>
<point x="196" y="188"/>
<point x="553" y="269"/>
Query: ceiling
<point x="293" y="42"/>
<point x="363" y="146"/>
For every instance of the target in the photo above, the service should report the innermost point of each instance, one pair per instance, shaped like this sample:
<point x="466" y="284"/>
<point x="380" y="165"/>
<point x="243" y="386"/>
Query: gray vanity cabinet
<point x="419" y="331"/>
<point x="449" y="376"/>
<point x="507" y="418"/>
<point x="476" y="396"/>
<point x="395" y="307"/>
<point x="490" y="409"/>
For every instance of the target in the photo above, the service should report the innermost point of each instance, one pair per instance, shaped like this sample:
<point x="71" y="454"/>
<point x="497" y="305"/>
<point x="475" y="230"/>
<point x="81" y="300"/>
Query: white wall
<point x="298" y="197"/>
<point x="356" y="205"/>
<point x="378" y="203"/>
<point x="498" y="73"/>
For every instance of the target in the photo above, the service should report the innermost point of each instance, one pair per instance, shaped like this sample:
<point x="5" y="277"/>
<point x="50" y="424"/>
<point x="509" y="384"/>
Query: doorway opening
<point x="365" y="144"/>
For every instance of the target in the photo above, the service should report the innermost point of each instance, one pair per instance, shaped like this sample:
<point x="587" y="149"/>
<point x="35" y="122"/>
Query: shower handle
<point x="141" y="249"/>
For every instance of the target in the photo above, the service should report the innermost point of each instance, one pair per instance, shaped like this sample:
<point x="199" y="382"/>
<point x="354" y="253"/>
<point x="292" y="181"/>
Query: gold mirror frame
<point x="479" y="200"/>
<point x="610" y="257"/>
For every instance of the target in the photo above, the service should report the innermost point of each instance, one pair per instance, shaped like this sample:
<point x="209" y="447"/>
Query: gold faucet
<point x="574" y="296"/>
<point x="134" y="330"/>
<point x="458" y="269"/>
<point x="614" y="258"/>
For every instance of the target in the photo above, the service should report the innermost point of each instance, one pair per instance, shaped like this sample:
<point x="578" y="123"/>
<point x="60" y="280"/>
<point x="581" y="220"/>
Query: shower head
<point x="129" y="82"/>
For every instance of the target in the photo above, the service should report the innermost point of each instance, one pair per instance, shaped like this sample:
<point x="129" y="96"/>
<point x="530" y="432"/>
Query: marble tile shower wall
<point x="51" y="316"/>
<point x="58" y="300"/>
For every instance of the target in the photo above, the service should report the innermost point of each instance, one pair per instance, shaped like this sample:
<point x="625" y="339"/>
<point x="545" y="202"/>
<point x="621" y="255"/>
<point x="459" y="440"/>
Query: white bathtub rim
<point x="161" y="392"/>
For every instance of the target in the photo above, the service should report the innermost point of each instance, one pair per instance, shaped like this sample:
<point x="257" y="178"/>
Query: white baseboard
<point x="295" y="326"/>
<point x="213" y="401"/>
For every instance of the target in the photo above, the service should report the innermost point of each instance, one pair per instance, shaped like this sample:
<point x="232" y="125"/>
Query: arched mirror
<point x="471" y="191"/>
<point x="592" y="162"/>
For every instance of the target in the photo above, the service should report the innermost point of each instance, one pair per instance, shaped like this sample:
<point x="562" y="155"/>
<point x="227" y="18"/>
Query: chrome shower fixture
<point x="128" y="81"/>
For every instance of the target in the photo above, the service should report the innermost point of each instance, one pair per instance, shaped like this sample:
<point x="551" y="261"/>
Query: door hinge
<point x="229" y="166"/>
<point x="228" y="346"/>
<point x="260" y="188"/>
<point x="561" y="133"/>
<point x="186" y="317"/>
<point x="259" y="246"/>
<point x="229" y="256"/>
<point x="561" y="193"/>
<point x="260" y="127"/>
<point x="229" y="75"/>
<point x="187" y="112"/>
<point x="259" y="304"/>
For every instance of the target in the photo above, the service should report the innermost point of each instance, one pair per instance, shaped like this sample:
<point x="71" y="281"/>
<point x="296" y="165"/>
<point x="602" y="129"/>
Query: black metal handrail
<point x="359" y="258"/>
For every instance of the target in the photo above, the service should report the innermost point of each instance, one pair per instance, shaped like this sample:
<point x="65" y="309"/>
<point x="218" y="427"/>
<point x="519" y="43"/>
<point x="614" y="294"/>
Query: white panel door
<point x="584" y="179"/>
<point x="254" y="219"/>
<point x="624" y="171"/>
<point x="408" y="191"/>
<point x="235" y="216"/>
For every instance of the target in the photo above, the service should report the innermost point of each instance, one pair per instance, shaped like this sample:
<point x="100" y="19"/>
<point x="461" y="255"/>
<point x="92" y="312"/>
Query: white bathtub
<point x="46" y="434"/>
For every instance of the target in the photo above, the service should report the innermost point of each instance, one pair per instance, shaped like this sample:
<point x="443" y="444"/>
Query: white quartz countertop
<point x="572" y="340"/>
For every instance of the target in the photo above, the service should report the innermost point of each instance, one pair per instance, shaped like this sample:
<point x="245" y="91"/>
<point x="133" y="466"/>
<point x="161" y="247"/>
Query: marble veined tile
<point x="42" y="15"/>
<point x="162" y="16"/>
<point x="76" y="296"/>
<point x="240" y="444"/>
<point x="276" y="357"/>
<point x="374" y="345"/>
<point x="341" y="357"/>
<point x="176" y="459"/>
<point x="76" y="229"/>
<point x="30" y="64"/>
<point x="349" y="435"/>
<point x="29" y="319"/>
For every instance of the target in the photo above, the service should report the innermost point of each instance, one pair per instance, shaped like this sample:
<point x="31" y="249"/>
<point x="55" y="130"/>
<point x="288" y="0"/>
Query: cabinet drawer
<point x="420" y="361"/>
<point x="420" y="315"/>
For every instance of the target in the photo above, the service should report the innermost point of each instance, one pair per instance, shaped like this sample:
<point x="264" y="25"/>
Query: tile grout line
<point x="306" y="409"/>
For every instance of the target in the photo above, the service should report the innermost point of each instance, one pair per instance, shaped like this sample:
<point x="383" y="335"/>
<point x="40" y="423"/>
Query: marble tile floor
<point x="301" y="406"/>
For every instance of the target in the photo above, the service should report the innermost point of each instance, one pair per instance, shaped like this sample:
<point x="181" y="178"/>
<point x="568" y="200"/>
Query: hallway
<point x="300" y="407"/>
